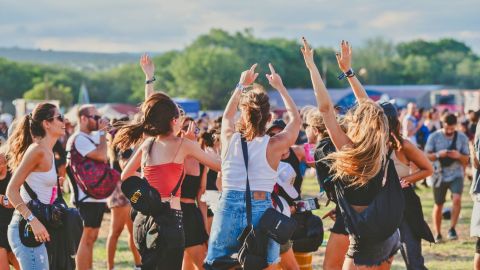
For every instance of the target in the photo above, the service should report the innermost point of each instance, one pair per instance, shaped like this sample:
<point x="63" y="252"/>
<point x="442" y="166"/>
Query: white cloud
<point x="394" y="19"/>
<point x="124" y="25"/>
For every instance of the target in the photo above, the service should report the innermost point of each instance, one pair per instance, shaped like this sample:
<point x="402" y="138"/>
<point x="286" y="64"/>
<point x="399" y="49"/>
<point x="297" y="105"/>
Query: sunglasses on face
<point x="305" y="125"/>
<point x="94" y="117"/>
<point x="60" y="117"/>
<point x="196" y="131"/>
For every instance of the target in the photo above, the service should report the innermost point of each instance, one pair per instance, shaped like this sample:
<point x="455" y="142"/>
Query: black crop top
<point x="191" y="185"/>
<point x="355" y="195"/>
<point x="364" y="195"/>
<point x="212" y="180"/>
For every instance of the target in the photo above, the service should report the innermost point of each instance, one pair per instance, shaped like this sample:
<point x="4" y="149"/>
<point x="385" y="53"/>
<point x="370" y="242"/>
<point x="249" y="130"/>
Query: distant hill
<point x="78" y="60"/>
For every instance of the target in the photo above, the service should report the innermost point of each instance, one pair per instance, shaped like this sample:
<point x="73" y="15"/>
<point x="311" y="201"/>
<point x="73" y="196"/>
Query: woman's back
<point x="261" y="175"/>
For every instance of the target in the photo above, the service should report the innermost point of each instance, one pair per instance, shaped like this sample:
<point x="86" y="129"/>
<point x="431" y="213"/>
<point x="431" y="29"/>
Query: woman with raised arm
<point x="404" y="155"/>
<point x="194" y="210"/>
<point x="31" y="158"/>
<point x="264" y="155"/>
<point x="357" y="164"/>
<point x="162" y="156"/>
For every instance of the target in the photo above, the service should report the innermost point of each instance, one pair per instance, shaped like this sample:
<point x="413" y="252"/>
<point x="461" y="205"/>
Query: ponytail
<point x="128" y="135"/>
<point x="19" y="141"/>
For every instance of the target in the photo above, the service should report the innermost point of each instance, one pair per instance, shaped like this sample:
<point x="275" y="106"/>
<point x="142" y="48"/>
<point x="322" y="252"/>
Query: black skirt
<point x="193" y="225"/>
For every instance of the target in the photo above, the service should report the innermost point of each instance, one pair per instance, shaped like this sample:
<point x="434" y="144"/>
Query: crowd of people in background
<point x="198" y="193"/>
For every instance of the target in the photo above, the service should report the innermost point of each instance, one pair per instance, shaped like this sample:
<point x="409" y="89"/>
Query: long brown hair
<point x="156" y="114"/>
<point x="360" y="161"/>
<point x="255" y="108"/>
<point x="29" y="127"/>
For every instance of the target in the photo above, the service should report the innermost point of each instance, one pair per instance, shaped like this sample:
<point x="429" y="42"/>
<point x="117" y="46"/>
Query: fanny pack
<point x="276" y="225"/>
<point x="50" y="215"/>
<point x="447" y="161"/>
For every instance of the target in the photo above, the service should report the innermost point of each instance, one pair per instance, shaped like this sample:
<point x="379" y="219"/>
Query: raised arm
<point x="344" y="59"/>
<point x="324" y="102"/>
<point x="283" y="140"/>
<point x="148" y="69"/>
<point x="228" y="120"/>
<point x="194" y="150"/>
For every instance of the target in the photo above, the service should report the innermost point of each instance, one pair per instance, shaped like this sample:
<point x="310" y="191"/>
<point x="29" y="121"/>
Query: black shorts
<point x="193" y="225"/>
<point x="455" y="187"/>
<point x="91" y="213"/>
<point x="3" y="237"/>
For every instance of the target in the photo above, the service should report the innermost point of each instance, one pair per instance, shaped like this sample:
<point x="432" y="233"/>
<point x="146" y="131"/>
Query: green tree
<point x="48" y="90"/>
<point x="207" y="74"/>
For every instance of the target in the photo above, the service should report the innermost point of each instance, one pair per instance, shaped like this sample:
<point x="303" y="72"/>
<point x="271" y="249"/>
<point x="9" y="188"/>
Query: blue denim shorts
<point x="28" y="258"/>
<point x="229" y="221"/>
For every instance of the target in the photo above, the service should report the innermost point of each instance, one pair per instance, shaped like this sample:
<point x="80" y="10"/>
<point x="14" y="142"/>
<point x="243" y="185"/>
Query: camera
<point x="309" y="204"/>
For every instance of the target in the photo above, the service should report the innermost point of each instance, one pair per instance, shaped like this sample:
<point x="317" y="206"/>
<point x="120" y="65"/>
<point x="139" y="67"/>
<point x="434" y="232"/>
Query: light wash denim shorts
<point x="229" y="221"/>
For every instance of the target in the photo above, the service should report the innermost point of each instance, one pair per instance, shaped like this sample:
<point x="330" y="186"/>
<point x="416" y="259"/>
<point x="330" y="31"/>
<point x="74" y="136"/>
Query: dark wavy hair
<point x="156" y="114"/>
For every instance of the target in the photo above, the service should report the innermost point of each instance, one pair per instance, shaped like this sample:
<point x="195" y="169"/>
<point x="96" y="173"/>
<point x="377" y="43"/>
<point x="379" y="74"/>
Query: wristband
<point x="30" y="217"/>
<point x="348" y="74"/>
<point x="437" y="155"/>
<point x="151" y="80"/>
<point x="101" y="133"/>
<point x="241" y="87"/>
<point x="5" y="200"/>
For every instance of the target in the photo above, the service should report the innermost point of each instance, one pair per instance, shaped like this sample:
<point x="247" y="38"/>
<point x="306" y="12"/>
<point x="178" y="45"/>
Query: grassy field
<point x="446" y="256"/>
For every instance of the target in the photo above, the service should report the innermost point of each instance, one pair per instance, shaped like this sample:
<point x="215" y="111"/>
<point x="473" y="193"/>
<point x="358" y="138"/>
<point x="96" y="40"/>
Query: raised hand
<point x="191" y="132"/>
<point x="147" y="66"/>
<point x="248" y="76"/>
<point x="307" y="52"/>
<point x="274" y="79"/>
<point x="344" y="58"/>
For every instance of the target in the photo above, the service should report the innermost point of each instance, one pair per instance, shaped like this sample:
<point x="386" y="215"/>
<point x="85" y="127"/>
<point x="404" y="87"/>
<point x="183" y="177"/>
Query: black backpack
<point x="383" y="215"/>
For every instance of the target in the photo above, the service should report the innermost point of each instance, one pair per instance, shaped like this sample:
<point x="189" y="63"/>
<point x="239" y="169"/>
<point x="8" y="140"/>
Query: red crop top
<point x="164" y="177"/>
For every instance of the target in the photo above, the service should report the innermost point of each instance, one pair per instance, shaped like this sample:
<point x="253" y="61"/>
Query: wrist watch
<point x="348" y="74"/>
<point x="151" y="80"/>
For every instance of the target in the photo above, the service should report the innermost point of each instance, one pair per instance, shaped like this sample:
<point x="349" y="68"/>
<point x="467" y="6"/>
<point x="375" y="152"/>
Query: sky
<point x="158" y="25"/>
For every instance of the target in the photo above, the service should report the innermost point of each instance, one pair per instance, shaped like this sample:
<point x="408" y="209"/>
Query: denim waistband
<point x="240" y="195"/>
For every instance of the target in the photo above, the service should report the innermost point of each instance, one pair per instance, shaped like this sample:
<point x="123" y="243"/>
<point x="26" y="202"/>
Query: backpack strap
<point x="453" y="145"/>
<point x="71" y="175"/>
<point x="30" y="191"/>
<point x="248" y="196"/>
<point x="179" y="183"/>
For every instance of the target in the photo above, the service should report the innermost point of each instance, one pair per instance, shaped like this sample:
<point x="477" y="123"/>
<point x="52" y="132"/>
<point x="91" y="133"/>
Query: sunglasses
<point x="94" y="117"/>
<point x="305" y="125"/>
<point x="60" y="117"/>
<point x="196" y="131"/>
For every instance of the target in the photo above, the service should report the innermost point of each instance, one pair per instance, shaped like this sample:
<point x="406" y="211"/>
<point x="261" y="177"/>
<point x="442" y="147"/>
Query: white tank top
<point x="261" y="176"/>
<point x="42" y="184"/>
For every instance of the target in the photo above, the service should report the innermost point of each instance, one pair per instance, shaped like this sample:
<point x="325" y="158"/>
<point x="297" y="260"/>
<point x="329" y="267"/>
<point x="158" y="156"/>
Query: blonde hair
<point x="362" y="160"/>
<point x="315" y="120"/>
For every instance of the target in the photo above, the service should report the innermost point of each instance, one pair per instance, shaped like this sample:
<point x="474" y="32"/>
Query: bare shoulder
<point x="35" y="151"/>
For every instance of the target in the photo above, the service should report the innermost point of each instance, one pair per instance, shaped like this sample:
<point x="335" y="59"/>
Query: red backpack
<point x="95" y="178"/>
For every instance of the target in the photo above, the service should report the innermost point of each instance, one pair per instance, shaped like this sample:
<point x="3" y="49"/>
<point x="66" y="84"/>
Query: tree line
<point x="209" y="67"/>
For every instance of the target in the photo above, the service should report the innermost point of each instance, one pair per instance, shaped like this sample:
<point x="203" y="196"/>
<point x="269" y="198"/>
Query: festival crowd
<point x="226" y="193"/>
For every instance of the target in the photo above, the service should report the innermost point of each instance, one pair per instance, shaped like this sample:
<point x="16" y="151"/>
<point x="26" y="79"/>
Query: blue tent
<point x="349" y="100"/>
<point x="190" y="106"/>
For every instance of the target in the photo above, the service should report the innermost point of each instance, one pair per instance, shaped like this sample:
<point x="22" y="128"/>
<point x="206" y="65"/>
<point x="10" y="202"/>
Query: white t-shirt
<point x="83" y="146"/>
